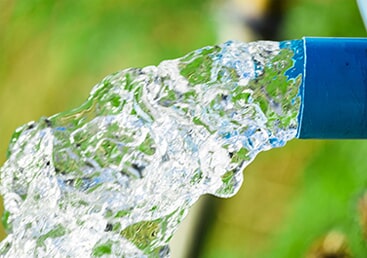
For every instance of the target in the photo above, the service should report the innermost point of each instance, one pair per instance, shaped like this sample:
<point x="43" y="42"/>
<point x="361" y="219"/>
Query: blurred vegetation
<point x="53" y="52"/>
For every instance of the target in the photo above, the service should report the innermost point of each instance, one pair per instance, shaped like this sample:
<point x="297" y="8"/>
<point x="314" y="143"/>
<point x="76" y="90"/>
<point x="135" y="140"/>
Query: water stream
<point x="117" y="175"/>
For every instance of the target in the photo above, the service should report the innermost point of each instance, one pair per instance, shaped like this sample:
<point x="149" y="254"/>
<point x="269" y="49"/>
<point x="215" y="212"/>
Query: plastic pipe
<point x="334" y="89"/>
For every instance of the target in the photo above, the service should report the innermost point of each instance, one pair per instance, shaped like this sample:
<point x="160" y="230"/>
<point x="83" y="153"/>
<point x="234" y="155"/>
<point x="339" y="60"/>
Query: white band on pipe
<point x="363" y="9"/>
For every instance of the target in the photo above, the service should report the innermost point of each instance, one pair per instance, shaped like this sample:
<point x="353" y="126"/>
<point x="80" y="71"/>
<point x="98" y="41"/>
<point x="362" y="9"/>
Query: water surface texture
<point x="117" y="175"/>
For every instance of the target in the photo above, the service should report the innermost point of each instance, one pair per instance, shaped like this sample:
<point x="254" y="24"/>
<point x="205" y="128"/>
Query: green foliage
<point x="102" y="249"/>
<point x="57" y="232"/>
<point x="333" y="183"/>
<point x="4" y="220"/>
<point x="142" y="234"/>
<point x="199" y="70"/>
<point x="147" y="146"/>
<point x="228" y="184"/>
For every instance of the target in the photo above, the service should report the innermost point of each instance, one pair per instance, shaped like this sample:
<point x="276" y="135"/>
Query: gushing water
<point x="117" y="175"/>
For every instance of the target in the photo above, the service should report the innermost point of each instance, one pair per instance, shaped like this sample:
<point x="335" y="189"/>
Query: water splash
<point x="117" y="175"/>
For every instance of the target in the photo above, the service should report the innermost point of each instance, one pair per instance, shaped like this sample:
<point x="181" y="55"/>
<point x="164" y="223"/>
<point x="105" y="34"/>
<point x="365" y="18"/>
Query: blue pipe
<point x="334" y="89"/>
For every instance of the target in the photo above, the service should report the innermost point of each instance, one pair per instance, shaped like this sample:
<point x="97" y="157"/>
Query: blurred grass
<point x="53" y="52"/>
<point x="333" y="184"/>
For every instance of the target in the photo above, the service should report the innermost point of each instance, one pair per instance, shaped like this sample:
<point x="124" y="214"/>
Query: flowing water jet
<point x="117" y="175"/>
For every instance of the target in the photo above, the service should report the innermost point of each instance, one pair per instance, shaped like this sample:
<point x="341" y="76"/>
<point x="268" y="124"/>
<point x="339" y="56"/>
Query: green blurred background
<point x="302" y="200"/>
